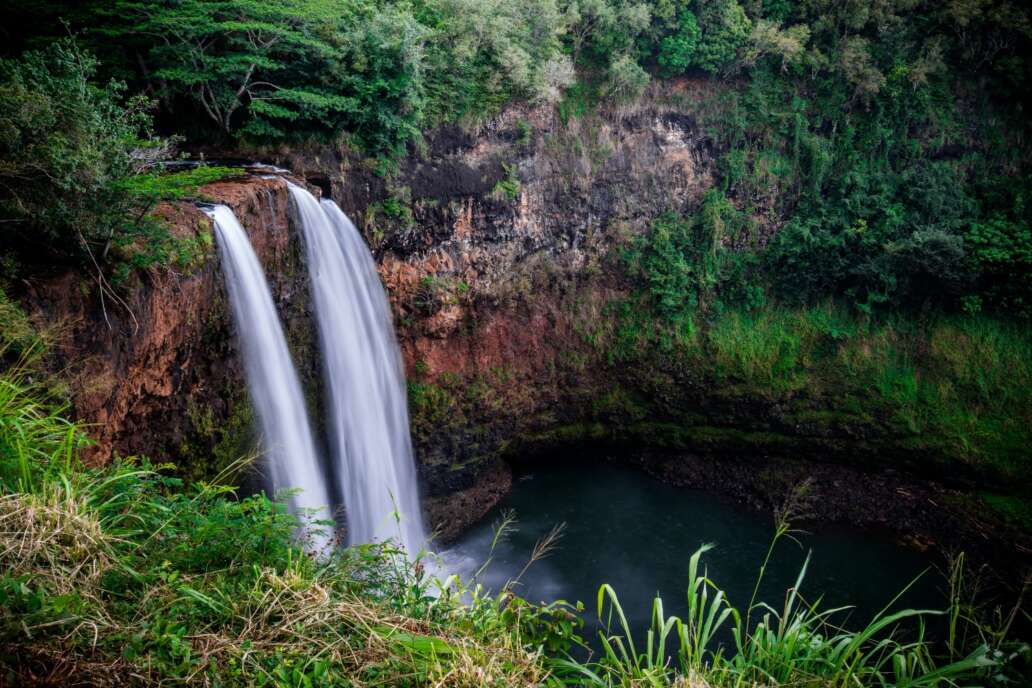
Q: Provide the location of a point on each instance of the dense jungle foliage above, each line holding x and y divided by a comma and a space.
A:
870, 227
886, 142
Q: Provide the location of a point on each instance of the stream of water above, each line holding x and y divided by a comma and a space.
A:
372, 463
371, 472
290, 459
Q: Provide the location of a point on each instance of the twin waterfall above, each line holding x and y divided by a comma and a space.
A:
371, 472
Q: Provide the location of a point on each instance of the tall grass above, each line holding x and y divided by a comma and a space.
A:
34, 437
123, 575
798, 644
956, 387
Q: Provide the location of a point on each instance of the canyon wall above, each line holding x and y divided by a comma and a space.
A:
151, 366
495, 248
501, 251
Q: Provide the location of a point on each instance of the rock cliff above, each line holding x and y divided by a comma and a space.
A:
501, 252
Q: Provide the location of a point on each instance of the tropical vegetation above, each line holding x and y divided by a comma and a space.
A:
869, 231
125, 575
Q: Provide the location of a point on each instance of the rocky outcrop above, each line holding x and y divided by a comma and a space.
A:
497, 251
493, 248
155, 371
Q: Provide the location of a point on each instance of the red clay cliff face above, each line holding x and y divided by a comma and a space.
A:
509, 260
134, 366
494, 269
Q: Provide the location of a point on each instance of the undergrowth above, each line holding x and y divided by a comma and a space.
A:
123, 575
145, 240
958, 383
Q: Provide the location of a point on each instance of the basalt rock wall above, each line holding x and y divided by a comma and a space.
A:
501, 250
151, 365
495, 247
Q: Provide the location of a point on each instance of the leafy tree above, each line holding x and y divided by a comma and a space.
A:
236, 57
587, 19
1002, 254
768, 39
677, 51
601, 31
375, 76
627, 79
777, 11
725, 28
707, 37
481, 54
377, 71
859, 69
66, 145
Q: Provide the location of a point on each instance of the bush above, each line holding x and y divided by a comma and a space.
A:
686, 268
66, 146
667, 262
929, 266
725, 28
677, 51
1001, 251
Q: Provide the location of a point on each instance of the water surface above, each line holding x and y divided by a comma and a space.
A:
637, 534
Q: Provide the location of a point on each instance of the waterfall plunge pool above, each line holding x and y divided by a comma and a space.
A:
637, 534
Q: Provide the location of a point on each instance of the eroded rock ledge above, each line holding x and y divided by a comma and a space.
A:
157, 373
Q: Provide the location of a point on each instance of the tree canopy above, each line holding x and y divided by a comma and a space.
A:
886, 140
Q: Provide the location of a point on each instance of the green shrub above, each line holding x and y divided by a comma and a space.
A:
1001, 251
66, 148
725, 28
17, 335
677, 51
78, 182
686, 268
508, 187
667, 260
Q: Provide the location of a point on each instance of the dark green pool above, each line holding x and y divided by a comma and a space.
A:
637, 534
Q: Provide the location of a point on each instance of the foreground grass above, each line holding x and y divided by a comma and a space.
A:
124, 576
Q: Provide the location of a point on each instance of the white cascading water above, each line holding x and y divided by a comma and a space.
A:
365, 380
271, 378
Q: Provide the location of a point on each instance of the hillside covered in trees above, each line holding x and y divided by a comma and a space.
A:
886, 142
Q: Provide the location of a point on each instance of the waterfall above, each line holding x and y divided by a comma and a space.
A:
291, 458
368, 426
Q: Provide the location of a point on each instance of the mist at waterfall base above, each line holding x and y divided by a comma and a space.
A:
290, 456
374, 472
637, 534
